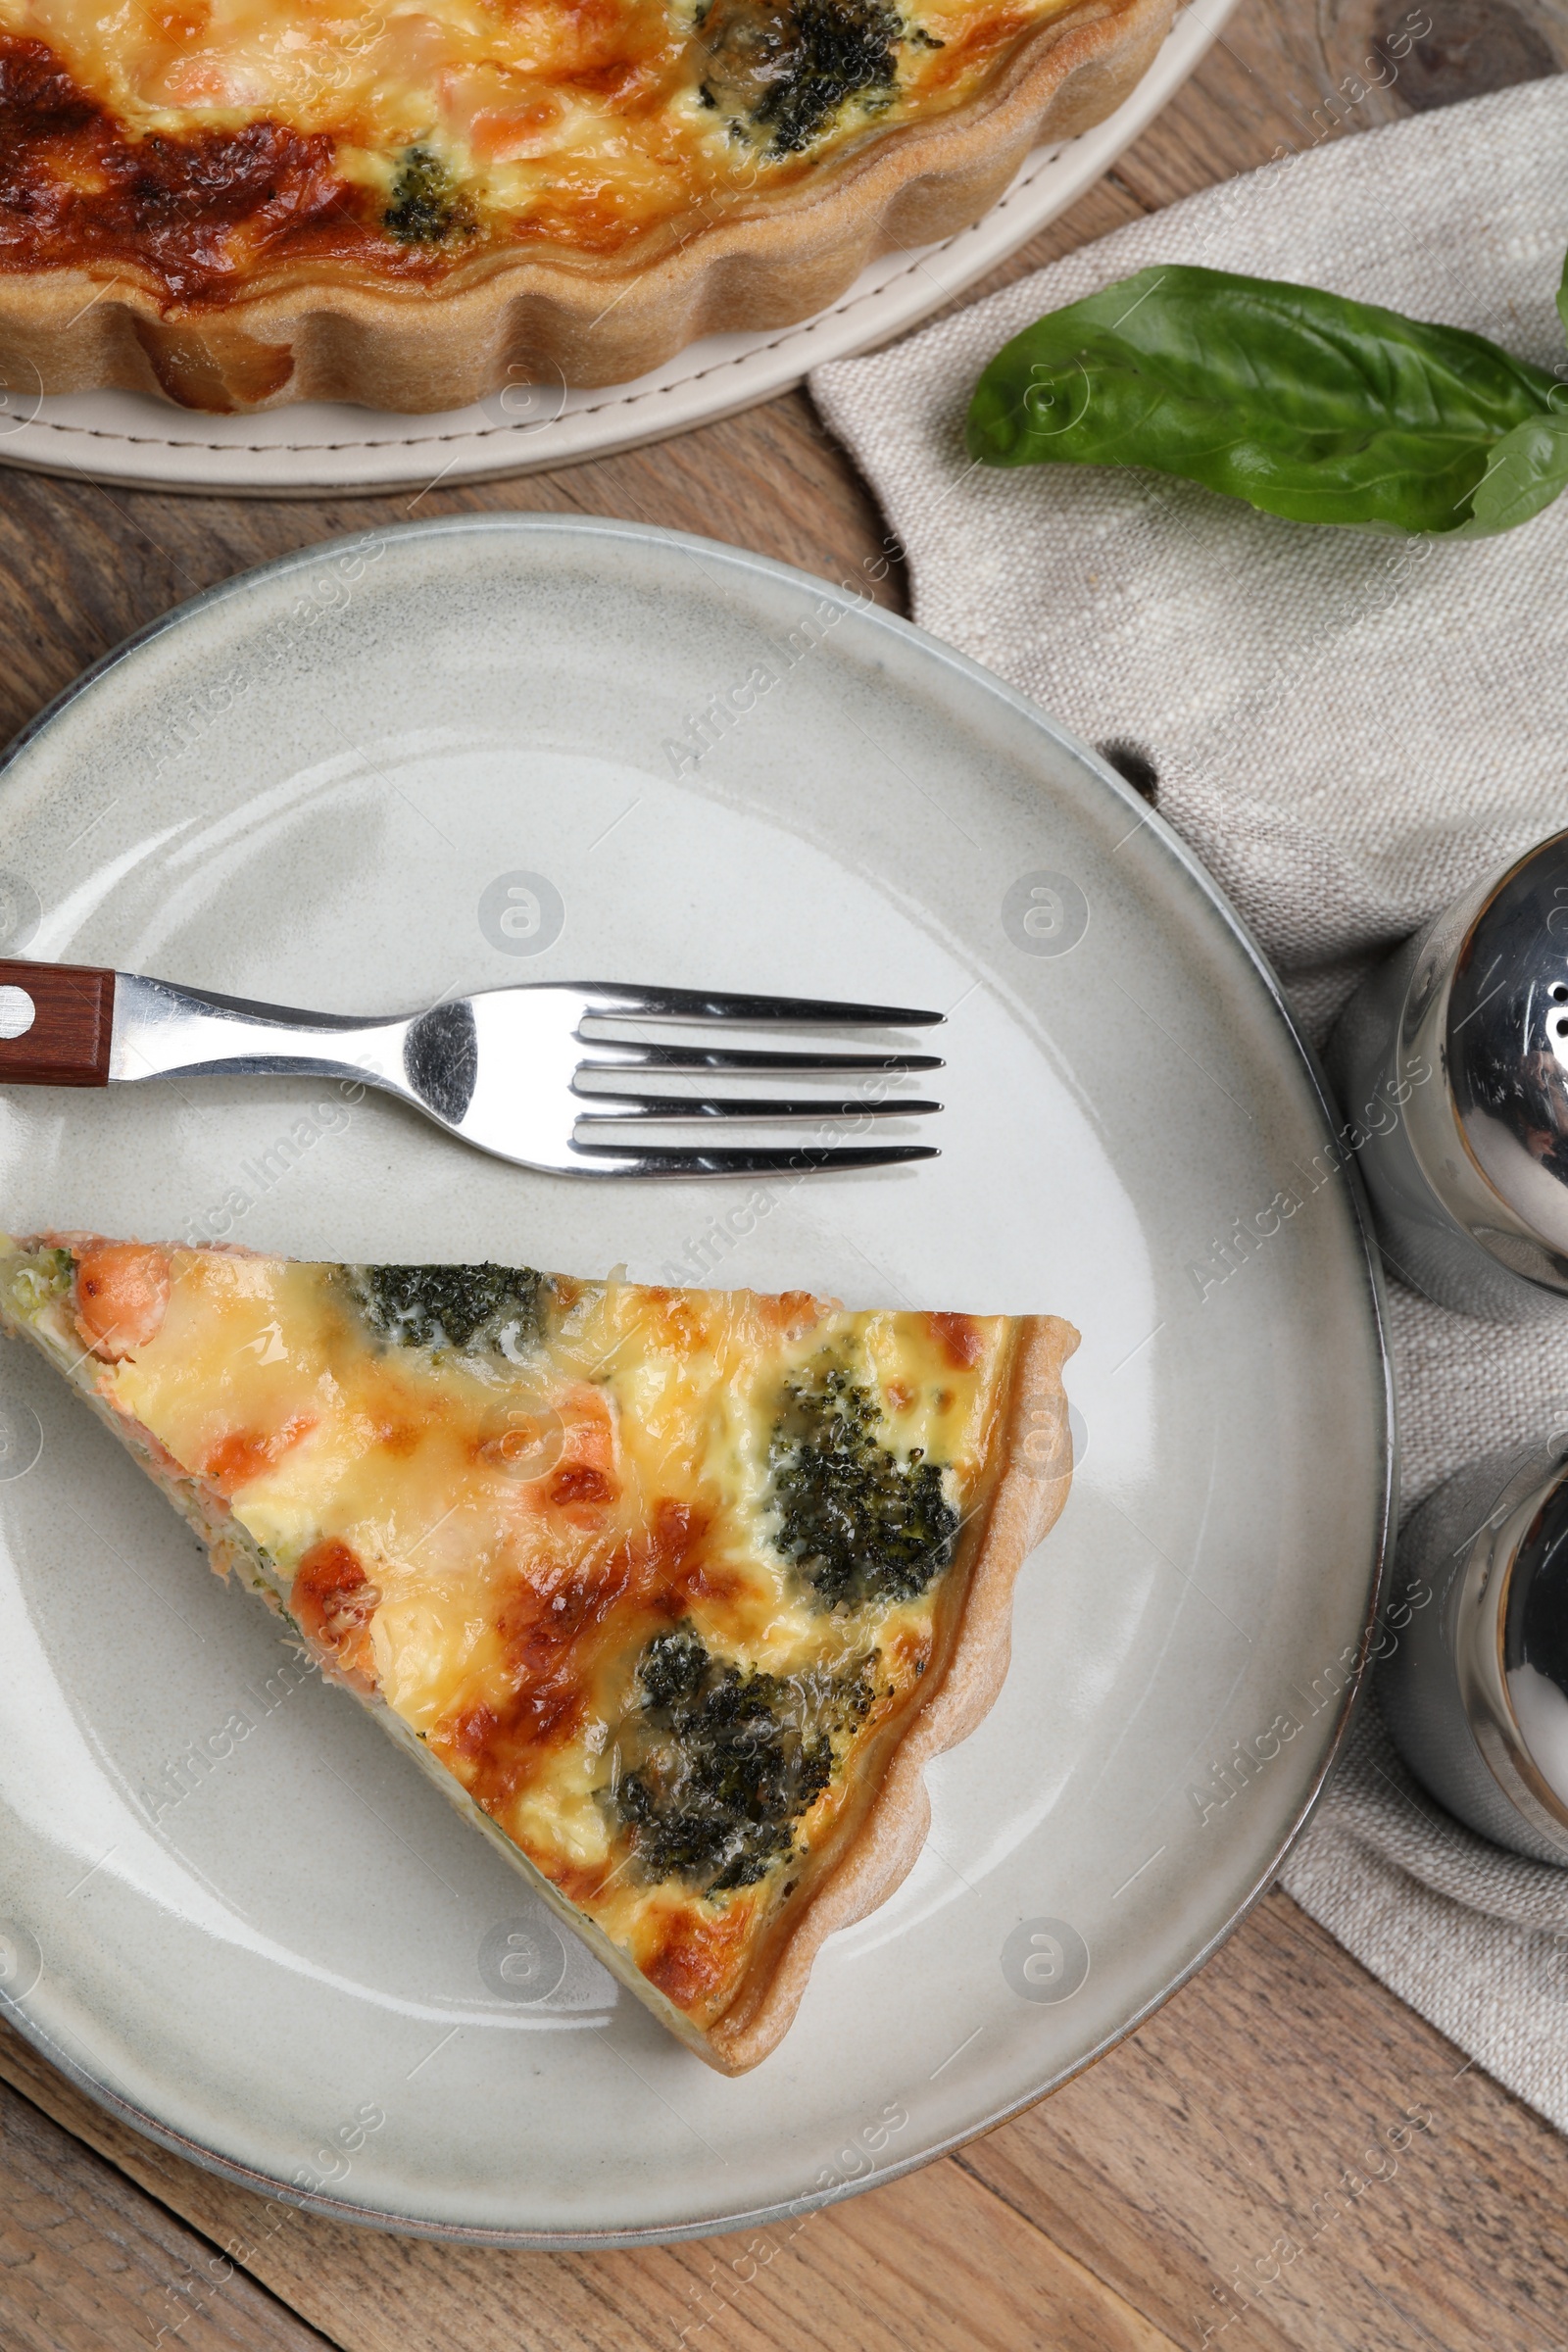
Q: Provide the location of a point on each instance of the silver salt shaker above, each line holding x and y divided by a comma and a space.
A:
1452, 1063
1474, 1689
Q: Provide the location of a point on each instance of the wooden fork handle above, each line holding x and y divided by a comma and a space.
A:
55, 1024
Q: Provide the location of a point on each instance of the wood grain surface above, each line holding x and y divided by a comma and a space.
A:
1285, 2159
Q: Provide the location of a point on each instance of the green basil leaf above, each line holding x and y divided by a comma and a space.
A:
1305, 404
1527, 470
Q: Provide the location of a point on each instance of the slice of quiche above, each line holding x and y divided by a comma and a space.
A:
675, 1591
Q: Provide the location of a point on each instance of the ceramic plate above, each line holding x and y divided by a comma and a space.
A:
134, 438
233, 1910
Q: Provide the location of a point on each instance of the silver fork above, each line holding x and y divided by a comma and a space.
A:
504, 1070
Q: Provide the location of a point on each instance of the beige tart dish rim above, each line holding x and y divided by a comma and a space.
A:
306, 336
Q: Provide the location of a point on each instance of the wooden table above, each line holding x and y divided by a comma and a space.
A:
1208, 2182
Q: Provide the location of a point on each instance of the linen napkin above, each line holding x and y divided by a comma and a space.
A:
1349, 730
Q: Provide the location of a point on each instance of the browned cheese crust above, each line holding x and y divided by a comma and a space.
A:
348, 330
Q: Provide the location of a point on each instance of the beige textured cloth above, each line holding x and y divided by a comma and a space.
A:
1349, 730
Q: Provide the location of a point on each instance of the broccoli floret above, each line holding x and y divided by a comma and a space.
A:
856, 1522
54, 1271
427, 207
39, 1277
452, 1306
787, 67
723, 1763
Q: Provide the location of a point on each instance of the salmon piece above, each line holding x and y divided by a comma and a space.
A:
121, 1297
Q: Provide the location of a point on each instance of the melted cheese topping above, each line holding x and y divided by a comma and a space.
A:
489, 1538
579, 122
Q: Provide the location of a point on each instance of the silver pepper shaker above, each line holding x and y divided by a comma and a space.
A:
1474, 1689
1453, 1064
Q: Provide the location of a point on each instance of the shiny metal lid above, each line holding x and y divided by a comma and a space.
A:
1485, 1011
1534, 1647
1506, 1042
1473, 1679
1507, 1624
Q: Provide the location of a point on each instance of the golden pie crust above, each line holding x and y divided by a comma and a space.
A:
379, 329
881, 1846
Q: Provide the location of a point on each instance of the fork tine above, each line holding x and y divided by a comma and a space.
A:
611, 997
611, 1159
739, 1106
742, 1057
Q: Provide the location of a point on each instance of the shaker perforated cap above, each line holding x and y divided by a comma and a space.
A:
1507, 1043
